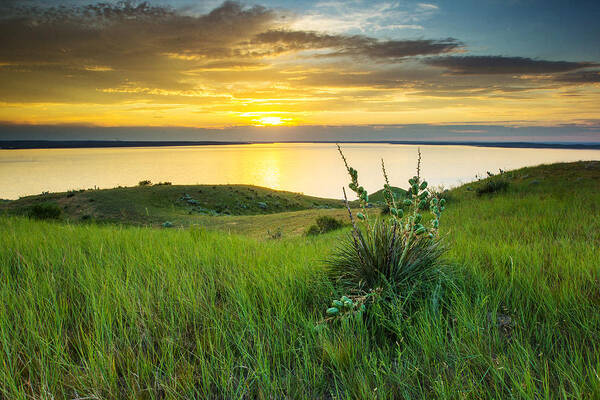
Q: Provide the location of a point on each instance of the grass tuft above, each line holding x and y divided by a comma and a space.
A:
372, 258
492, 186
45, 211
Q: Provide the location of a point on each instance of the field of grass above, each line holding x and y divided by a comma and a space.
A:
90, 311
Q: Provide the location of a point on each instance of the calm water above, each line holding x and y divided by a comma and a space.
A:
314, 169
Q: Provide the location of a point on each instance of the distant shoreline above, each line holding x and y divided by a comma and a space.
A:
85, 144
80, 144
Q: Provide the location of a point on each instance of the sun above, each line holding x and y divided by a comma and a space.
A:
270, 121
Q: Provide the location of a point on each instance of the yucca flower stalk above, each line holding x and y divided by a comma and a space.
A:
360, 191
417, 198
390, 252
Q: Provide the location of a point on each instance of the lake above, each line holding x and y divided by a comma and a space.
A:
309, 168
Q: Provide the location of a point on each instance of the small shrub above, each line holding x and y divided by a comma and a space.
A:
324, 224
395, 261
494, 185
45, 211
276, 234
327, 223
144, 183
377, 258
162, 183
313, 230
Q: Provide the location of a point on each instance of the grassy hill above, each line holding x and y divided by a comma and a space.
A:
128, 312
182, 205
377, 197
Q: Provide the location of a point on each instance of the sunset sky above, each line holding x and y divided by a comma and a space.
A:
473, 66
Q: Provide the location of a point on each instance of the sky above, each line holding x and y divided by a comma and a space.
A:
452, 70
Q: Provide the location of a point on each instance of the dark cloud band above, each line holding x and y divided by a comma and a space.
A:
580, 77
482, 65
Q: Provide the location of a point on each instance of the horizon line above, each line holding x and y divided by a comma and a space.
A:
87, 143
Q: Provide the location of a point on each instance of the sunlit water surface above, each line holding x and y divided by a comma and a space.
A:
314, 169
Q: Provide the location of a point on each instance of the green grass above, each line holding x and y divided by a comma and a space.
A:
129, 312
291, 224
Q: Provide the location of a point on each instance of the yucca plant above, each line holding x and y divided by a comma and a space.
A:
399, 254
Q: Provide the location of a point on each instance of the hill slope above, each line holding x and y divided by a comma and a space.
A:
178, 203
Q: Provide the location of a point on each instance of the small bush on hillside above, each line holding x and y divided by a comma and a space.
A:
493, 186
276, 234
327, 223
313, 230
145, 183
385, 210
45, 211
324, 224
398, 255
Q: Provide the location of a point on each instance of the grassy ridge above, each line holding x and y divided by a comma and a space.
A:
126, 312
181, 204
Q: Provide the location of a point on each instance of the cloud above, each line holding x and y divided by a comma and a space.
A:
579, 77
141, 37
490, 65
355, 45
70, 54
125, 34
102, 52
428, 6
363, 17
